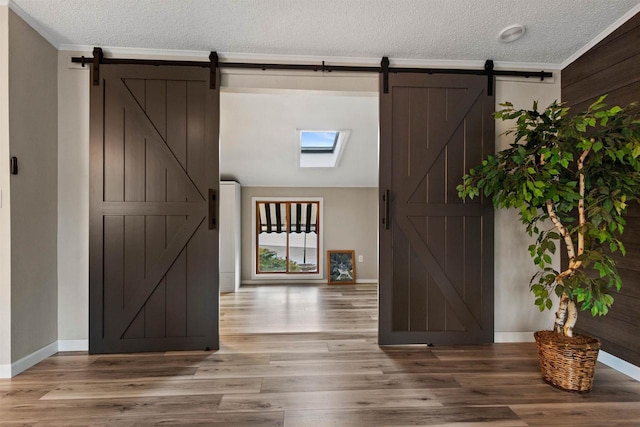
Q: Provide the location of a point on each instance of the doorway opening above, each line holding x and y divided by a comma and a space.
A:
288, 198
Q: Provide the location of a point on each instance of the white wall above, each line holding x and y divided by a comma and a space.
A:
5, 201
33, 137
516, 314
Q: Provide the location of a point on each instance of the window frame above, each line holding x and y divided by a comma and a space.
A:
269, 275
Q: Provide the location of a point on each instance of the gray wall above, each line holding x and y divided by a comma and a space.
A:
350, 222
5, 209
33, 138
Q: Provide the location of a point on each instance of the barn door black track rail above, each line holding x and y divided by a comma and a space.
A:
214, 64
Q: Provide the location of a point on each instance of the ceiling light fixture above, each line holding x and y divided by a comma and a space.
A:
512, 33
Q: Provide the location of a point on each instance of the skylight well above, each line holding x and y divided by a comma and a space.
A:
321, 149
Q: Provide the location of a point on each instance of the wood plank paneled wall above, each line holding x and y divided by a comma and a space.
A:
613, 67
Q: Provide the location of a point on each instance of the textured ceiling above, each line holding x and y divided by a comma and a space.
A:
400, 29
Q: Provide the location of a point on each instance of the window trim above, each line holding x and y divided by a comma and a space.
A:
267, 276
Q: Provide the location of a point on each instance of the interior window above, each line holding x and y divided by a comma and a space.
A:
287, 237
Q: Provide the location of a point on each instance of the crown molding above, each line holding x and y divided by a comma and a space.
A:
527, 66
597, 39
53, 41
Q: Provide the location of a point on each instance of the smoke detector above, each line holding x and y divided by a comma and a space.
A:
512, 33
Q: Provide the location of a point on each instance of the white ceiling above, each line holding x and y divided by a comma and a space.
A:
259, 138
458, 30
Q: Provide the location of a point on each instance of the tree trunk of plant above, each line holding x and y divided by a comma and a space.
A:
567, 313
572, 317
561, 314
566, 316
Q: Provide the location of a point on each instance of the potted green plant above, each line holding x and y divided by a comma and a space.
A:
571, 177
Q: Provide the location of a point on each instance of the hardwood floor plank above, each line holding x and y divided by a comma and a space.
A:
353, 345
484, 366
475, 416
236, 359
493, 351
106, 390
563, 414
345, 356
274, 347
269, 419
67, 361
160, 361
88, 411
474, 379
357, 382
34, 375
177, 360
14, 393
279, 370
351, 399
541, 393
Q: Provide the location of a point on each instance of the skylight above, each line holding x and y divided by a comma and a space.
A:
318, 142
321, 149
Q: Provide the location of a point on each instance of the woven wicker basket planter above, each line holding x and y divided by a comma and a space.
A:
566, 363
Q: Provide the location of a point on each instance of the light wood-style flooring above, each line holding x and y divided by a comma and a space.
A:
307, 356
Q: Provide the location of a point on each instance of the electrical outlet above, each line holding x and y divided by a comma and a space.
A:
360, 258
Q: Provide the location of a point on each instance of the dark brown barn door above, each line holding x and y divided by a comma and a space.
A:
153, 237
436, 251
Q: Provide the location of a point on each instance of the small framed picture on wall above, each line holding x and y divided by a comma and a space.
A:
341, 267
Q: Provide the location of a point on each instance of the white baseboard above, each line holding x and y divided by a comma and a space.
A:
366, 281
619, 365
73, 345
228, 282
505, 337
5, 371
33, 358
8, 371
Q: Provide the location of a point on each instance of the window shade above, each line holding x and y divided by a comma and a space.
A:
272, 217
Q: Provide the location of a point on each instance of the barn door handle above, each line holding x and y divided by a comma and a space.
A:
385, 214
213, 209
